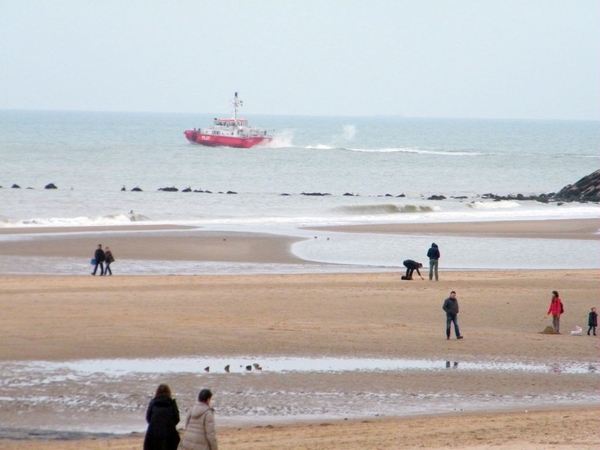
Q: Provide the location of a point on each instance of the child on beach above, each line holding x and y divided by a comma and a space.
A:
592, 321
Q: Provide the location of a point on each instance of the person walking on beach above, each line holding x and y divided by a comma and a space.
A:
200, 425
434, 255
556, 309
99, 257
162, 416
451, 308
592, 321
109, 258
411, 266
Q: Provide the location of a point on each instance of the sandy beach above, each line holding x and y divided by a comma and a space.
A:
57, 318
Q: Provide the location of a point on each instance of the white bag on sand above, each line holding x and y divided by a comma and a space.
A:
577, 331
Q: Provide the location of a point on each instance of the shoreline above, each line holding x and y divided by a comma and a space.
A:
186, 243
581, 229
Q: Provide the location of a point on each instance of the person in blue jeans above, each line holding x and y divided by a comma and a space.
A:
451, 308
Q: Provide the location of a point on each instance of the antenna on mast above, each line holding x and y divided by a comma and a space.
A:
236, 104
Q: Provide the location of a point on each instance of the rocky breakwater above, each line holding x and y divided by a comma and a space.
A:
585, 190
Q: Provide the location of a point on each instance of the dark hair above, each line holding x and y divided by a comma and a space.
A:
163, 391
204, 395
453, 292
555, 293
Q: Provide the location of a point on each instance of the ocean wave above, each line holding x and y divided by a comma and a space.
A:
118, 219
385, 209
504, 204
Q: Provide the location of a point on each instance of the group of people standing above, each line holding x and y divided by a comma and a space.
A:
411, 266
162, 416
557, 309
103, 259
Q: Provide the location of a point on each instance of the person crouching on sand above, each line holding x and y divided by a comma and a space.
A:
556, 309
411, 266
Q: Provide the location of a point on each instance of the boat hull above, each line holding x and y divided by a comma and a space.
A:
211, 140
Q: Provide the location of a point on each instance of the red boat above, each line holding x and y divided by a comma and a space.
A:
233, 132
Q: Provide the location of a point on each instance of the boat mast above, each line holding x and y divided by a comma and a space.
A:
236, 104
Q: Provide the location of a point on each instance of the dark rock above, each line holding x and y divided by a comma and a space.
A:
286, 195
136, 189
231, 192
169, 189
50, 186
123, 189
402, 195
16, 186
198, 190
436, 197
587, 189
460, 197
348, 194
187, 189
316, 194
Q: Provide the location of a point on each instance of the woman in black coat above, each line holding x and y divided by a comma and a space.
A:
162, 417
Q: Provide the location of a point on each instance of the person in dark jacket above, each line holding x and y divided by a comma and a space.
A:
109, 258
162, 416
451, 308
434, 255
99, 257
592, 321
411, 266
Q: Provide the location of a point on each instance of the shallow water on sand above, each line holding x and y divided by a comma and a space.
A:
111, 395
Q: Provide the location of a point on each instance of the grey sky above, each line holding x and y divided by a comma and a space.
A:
482, 58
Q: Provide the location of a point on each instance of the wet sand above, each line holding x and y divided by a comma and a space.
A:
585, 229
359, 315
343, 315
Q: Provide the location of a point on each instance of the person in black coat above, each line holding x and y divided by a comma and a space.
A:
411, 266
162, 416
99, 257
434, 255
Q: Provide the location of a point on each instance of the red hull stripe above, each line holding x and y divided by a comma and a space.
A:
211, 140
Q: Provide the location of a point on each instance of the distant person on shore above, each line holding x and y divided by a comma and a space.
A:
411, 266
434, 255
556, 309
99, 257
592, 321
451, 308
109, 258
200, 425
162, 416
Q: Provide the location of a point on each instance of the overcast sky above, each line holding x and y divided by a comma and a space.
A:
416, 58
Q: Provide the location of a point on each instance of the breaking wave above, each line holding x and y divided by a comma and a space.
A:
385, 209
504, 204
118, 219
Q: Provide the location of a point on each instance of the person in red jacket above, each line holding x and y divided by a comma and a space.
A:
556, 309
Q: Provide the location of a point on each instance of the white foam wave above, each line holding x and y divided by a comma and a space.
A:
320, 147
387, 208
282, 139
503, 204
417, 151
118, 219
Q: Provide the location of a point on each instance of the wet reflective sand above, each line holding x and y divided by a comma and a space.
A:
104, 395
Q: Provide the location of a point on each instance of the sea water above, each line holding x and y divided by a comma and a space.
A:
364, 170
